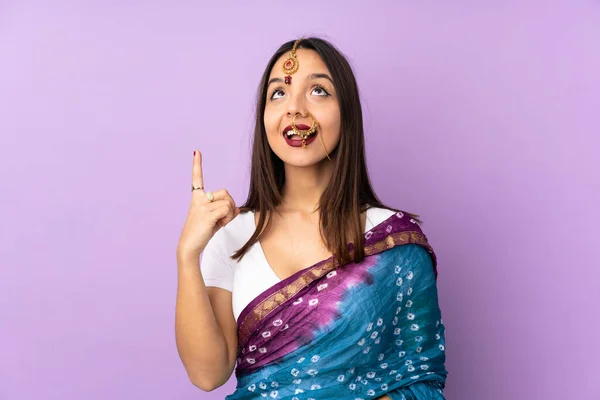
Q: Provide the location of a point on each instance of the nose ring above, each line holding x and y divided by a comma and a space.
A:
304, 133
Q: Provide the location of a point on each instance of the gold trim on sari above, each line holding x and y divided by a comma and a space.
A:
281, 296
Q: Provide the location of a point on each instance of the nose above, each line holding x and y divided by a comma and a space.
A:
296, 105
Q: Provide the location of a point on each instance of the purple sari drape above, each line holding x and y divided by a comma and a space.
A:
357, 331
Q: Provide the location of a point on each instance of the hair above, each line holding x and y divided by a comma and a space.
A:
349, 192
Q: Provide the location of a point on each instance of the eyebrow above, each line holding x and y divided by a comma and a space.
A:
319, 76
310, 77
273, 80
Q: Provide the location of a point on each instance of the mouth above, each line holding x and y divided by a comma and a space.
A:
295, 140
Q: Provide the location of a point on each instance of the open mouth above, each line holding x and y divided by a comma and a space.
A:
295, 140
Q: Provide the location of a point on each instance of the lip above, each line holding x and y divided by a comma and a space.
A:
302, 127
298, 143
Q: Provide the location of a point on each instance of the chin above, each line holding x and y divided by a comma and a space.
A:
312, 154
293, 158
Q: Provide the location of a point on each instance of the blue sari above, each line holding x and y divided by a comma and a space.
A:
359, 331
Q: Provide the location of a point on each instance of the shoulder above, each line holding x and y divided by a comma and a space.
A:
377, 215
233, 235
239, 225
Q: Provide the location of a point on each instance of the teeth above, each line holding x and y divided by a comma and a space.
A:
291, 133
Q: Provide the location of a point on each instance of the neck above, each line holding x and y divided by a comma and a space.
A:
304, 186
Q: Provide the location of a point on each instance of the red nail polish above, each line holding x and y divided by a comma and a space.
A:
194, 152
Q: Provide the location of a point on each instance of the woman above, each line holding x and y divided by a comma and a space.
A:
313, 288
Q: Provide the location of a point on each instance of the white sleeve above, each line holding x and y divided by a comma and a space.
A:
215, 264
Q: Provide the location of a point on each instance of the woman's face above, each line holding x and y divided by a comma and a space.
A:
311, 90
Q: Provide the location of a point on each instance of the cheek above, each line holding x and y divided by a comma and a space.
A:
271, 122
332, 125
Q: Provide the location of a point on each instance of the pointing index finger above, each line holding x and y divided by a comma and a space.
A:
197, 179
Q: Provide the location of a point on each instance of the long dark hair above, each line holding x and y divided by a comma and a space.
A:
349, 192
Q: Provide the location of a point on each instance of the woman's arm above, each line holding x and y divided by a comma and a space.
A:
206, 331
421, 332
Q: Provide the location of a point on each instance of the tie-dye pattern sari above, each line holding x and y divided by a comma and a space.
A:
357, 332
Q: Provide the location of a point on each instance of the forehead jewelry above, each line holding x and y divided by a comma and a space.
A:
290, 65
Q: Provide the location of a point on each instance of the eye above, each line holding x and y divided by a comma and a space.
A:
276, 94
320, 91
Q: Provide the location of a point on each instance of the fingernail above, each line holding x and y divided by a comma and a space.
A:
194, 152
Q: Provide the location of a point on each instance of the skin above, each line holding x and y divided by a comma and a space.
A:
209, 354
307, 170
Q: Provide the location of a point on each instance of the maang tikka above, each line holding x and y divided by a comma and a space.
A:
290, 66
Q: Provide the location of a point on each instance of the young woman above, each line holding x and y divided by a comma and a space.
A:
313, 288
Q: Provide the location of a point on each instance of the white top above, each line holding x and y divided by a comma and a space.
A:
252, 275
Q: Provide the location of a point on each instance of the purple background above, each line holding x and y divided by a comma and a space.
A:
483, 118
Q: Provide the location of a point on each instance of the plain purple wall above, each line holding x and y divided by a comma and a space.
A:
493, 105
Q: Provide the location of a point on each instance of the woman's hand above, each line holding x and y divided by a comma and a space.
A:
204, 217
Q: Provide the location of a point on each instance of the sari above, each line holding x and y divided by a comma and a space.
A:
359, 331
